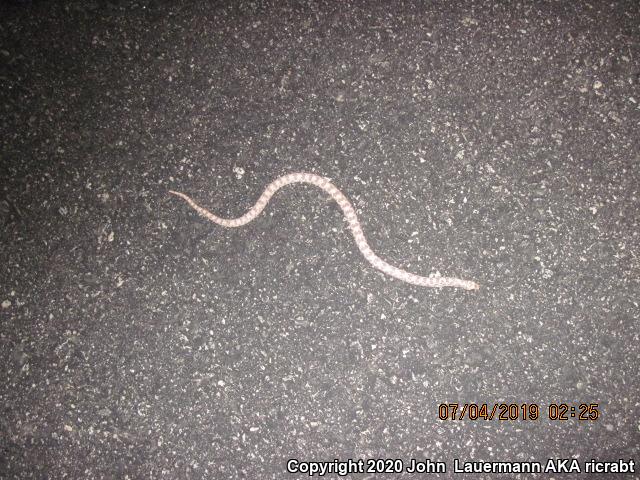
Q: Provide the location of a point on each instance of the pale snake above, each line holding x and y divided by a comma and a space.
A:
349, 215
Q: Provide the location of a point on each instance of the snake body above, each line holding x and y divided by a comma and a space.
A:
349, 215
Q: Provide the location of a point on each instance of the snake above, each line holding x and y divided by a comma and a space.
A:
351, 218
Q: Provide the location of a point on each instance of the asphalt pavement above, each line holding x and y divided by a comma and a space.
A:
497, 142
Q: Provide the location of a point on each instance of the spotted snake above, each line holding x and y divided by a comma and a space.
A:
351, 218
